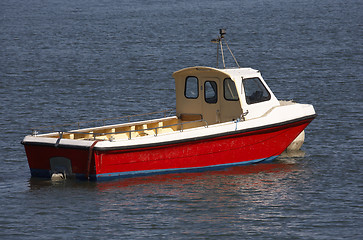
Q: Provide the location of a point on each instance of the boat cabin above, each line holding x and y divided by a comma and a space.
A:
221, 95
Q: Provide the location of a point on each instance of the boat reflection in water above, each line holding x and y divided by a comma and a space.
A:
239, 177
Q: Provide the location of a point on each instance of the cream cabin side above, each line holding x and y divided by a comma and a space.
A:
206, 93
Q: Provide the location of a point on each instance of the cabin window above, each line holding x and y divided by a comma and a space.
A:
255, 91
191, 88
230, 91
210, 92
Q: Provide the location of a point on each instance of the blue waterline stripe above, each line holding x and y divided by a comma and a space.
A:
105, 176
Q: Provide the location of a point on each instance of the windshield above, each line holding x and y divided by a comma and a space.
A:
255, 91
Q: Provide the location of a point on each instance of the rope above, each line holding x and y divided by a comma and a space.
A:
232, 54
90, 153
224, 64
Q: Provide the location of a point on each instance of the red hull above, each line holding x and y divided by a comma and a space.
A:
215, 152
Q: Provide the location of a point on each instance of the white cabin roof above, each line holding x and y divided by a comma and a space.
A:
234, 73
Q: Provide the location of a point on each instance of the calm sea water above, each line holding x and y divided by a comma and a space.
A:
64, 61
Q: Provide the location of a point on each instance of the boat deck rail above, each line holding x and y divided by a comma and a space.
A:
97, 123
141, 132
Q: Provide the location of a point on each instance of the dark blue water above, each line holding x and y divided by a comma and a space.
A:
64, 61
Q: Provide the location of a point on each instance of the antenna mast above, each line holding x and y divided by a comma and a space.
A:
219, 40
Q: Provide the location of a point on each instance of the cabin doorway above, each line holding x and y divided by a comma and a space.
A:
211, 100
